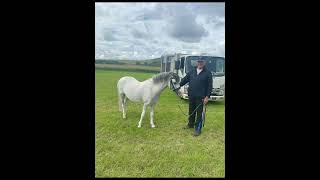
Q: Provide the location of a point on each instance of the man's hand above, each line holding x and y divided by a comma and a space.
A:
205, 100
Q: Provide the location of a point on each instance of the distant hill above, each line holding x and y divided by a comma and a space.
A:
152, 62
148, 62
103, 61
147, 65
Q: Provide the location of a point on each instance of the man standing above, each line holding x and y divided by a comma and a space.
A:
200, 87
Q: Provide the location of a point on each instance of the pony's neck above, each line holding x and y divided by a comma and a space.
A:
163, 86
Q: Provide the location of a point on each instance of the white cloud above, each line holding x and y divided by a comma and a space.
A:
147, 30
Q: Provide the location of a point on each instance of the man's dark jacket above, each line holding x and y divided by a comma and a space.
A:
199, 85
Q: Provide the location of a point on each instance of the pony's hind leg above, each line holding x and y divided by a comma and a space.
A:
142, 114
124, 101
120, 99
151, 116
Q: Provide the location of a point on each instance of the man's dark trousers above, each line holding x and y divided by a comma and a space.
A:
193, 104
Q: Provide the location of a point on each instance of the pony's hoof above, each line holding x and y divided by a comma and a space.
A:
153, 126
139, 126
124, 117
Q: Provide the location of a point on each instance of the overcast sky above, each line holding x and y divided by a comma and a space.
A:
148, 30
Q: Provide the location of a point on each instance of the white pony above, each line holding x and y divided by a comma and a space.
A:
147, 92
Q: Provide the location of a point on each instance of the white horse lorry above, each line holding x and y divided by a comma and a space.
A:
181, 64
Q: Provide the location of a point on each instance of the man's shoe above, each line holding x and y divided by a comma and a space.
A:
187, 127
196, 133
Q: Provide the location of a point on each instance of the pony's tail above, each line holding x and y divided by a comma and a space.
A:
119, 98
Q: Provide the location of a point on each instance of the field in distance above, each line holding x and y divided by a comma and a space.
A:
152, 65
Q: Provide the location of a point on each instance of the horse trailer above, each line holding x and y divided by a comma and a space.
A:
181, 64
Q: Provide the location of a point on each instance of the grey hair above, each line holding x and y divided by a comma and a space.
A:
161, 77
164, 76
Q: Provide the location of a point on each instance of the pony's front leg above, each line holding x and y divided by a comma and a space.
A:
124, 107
142, 115
151, 116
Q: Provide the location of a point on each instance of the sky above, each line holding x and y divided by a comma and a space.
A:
137, 31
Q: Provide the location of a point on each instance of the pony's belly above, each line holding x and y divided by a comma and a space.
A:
134, 98
134, 95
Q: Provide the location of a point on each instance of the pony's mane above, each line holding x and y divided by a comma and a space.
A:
161, 77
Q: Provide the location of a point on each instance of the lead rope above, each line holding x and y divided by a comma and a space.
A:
192, 112
175, 90
204, 115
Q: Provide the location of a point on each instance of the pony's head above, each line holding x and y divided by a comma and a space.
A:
174, 76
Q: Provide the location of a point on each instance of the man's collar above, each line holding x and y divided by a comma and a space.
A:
204, 68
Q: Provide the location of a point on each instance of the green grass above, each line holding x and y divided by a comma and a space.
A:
123, 150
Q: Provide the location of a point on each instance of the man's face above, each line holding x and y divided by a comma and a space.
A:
200, 64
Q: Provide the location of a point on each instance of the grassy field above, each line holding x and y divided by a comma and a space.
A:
123, 150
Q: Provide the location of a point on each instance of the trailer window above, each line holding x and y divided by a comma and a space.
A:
168, 64
219, 66
214, 64
163, 65
182, 63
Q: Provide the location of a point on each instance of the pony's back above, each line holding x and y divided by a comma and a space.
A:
131, 88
